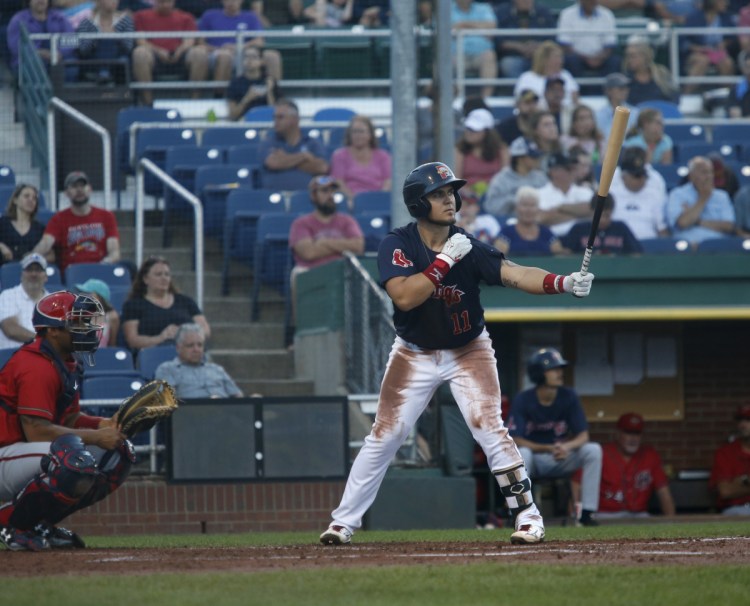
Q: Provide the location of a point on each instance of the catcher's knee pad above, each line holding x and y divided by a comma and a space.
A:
71, 469
515, 486
114, 469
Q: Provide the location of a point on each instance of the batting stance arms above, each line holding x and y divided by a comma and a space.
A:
432, 269
54, 459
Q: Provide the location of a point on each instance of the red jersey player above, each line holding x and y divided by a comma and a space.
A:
730, 476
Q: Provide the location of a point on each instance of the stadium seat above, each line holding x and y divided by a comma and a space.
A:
372, 202
228, 137
112, 361
213, 184
149, 359
735, 132
7, 176
247, 153
108, 387
725, 245
273, 257
260, 113
334, 114
673, 173
686, 133
686, 151
665, 246
117, 297
152, 143
244, 207
336, 137
500, 112
10, 276
111, 273
5, 354
667, 108
374, 227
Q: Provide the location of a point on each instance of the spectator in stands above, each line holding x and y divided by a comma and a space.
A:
479, 51
554, 103
167, 55
616, 90
739, 98
329, 13
500, 199
254, 87
39, 18
278, 12
516, 52
583, 167
82, 233
479, 154
527, 236
106, 19
547, 63
17, 302
195, 7
372, 13
584, 132
641, 195
483, 226
563, 202
20, 232
724, 177
99, 290
588, 34
222, 52
550, 429
631, 474
360, 164
743, 20
730, 474
710, 51
512, 127
75, 11
674, 11
155, 310
742, 211
649, 81
546, 135
288, 156
612, 237
698, 211
649, 134
191, 375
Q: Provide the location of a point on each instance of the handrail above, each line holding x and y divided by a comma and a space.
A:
144, 164
84, 120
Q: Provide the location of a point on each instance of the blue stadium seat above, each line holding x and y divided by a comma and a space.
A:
686, 133
149, 359
111, 273
117, 297
246, 153
5, 354
686, 151
673, 173
500, 112
665, 246
213, 184
7, 176
372, 202
735, 132
667, 108
112, 361
260, 113
244, 207
299, 202
108, 387
227, 137
152, 143
725, 245
374, 227
273, 257
10, 276
334, 114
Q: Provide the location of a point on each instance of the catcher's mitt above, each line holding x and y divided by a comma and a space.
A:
153, 402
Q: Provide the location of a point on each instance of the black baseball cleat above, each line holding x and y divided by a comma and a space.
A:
59, 538
22, 540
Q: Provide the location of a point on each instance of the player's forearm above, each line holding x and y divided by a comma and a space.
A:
527, 279
411, 292
666, 501
578, 441
734, 488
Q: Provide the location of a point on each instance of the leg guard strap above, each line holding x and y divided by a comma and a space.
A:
515, 486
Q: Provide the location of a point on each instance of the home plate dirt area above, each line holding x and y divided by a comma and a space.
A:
687, 552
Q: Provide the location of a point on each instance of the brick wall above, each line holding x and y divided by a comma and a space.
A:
717, 381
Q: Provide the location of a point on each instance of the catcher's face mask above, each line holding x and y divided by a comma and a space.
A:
85, 322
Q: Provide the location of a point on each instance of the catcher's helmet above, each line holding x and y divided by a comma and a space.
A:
81, 315
424, 180
541, 361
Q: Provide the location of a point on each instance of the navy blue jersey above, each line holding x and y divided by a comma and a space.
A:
535, 422
453, 315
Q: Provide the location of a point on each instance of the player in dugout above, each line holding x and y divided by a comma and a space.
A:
54, 459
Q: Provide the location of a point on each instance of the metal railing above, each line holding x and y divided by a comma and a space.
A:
144, 164
58, 104
368, 328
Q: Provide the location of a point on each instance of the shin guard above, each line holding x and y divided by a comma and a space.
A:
515, 486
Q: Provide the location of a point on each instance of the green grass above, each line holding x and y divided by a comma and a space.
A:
477, 583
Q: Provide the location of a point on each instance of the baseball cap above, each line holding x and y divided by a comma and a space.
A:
633, 161
743, 412
616, 80
100, 287
322, 181
34, 258
479, 120
527, 95
631, 422
523, 147
75, 177
559, 160
554, 80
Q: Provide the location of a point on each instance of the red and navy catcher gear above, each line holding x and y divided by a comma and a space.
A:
81, 315
424, 180
542, 361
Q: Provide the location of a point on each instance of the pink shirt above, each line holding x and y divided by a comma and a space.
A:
309, 226
361, 177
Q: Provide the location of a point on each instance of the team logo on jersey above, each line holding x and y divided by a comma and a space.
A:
443, 171
399, 258
451, 295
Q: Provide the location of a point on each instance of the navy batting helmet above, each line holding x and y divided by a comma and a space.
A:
543, 360
426, 179
80, 314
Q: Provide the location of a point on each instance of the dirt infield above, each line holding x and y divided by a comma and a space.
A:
687, 552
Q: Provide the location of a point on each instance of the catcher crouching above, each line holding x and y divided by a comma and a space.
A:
54, 459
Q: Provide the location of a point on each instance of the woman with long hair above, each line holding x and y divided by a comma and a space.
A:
649, 134
106, 19
19, 230
548, 62
154, 309
479, 153
584, 132
649, 81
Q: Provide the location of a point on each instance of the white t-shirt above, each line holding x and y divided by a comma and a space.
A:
643, 211
575, 29
550, 197
14, 302
532, 81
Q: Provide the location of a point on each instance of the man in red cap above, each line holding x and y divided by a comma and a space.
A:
631, 473
730, 476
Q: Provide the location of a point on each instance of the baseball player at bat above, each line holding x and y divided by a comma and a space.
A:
431, 269
54, 459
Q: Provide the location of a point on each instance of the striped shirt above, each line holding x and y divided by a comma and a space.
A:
123, 24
